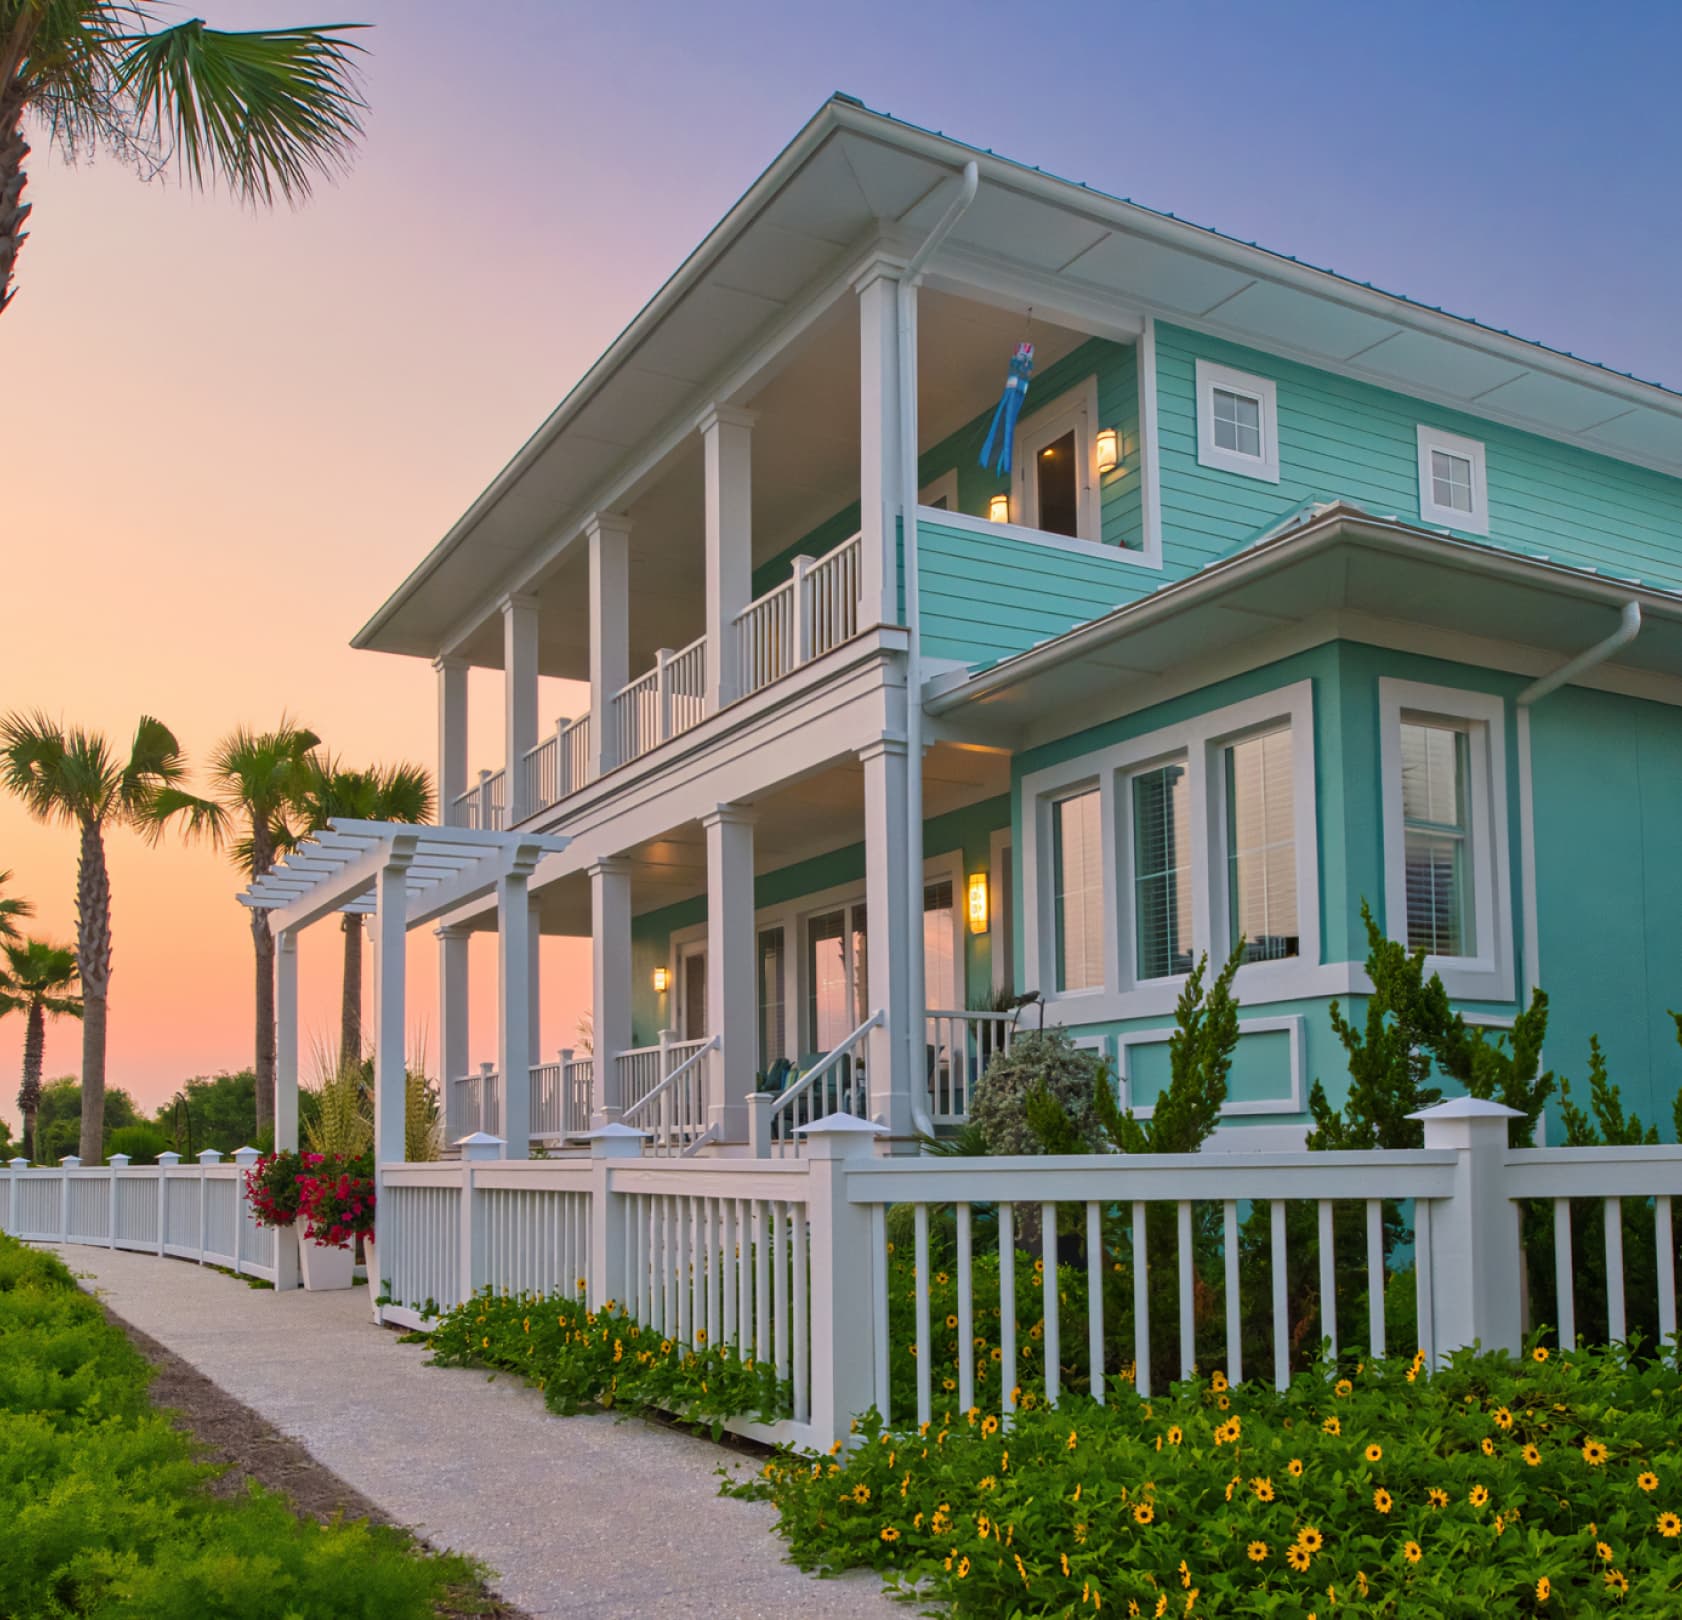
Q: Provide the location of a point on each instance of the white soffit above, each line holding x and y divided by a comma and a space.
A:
1298, 320
1566, 407
1640, 433
1417, 360
1165, 277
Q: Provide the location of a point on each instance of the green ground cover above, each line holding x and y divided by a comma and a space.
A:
104, 1510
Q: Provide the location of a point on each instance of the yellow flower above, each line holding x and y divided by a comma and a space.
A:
1531, 1455
1594, 1453
1294, 1468
1503, 1418
1648, 1482
861, 1492
1343, 1387
963, 1568
1374, 1452
1604, 1551
996, 1353
1263, 1489
1332, 1426
1437, 1497
989, 1424
1185, 1573
1670, 1525
1144, 1513
1544, 1589
1297, 1558
1381, 1500
1036, 1331
889, 1533
835, 1449
988, 1482
1413, 1552
1257, 1551
1540, 1353
952, 1321
1478, 1496
1487, 1446
1175, 1436
1310, 1539
1617, 1580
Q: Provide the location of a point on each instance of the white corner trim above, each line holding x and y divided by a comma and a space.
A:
1287, 1024
1198, 741
1449, 517
1074, 409
1486, 975
1001, 903
1150, 457
1265, 392
965, 523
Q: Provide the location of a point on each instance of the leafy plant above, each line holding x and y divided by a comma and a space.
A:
341, 1123
1037, 1062
38, 980
336, 1198
272, 1187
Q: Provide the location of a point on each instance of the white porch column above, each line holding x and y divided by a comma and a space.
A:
610, 629
286, 1042
390, 1011
732, 1005
452, 733
610, 997
515, 992
895, 1087
534, 975
727, 437
879, 441
519, 697
452, 1021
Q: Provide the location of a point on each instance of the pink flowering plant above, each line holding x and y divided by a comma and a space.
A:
336, 1198
271, 1187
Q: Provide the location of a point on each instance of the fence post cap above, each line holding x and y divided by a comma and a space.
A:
119, 1161
1468, 1108
210, 1156
19, 1163
71, 1162
839, 1136
246, 1155
481, 1145
615, 1140
169, 1156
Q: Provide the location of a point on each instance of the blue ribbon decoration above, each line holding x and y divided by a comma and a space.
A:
1003, 428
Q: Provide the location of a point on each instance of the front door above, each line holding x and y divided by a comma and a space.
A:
692, 992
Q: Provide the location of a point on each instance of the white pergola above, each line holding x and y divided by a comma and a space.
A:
405, 876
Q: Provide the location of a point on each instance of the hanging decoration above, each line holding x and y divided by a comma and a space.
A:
1010, 409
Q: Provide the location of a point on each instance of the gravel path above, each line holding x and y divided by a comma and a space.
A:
585, 1515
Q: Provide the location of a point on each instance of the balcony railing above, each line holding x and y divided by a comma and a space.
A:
484, 806
474, 1104
560, 1097
960, 1046
667, 701
809, 614
558, 766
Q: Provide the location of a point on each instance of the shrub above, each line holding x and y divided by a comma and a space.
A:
1038, 1061
336, 1198
142, 1143
271, 1185
1497, 1486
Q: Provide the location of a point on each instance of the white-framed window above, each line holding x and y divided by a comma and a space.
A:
1452, 490
941, 493
1054, 478
1237, 422
1203, 831
1447, 887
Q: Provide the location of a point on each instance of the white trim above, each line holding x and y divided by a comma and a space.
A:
946, 484
1450, 517
1487, 974
1197, 739
1150, 458
1288, 1024
1001, 896
1265, 392
1532, 974
1076, 410
1036, 537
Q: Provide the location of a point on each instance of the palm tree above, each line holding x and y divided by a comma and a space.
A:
11, 910
256, 781
381, 793
38, 979
265, 112
74, 778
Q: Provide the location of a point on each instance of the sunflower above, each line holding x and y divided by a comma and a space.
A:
951, 1320
1540, 1353
1604, 1552
1544, 1589
1531, 1455
1294, 1468
1332, 1426
1413, 1552
1143, 1513
1478, 1496
1175, 1436
1670, 1525
1297, 1558
1487, 1446
1502, 1417
1374, 1452
1594, 1453
1437, 1497
861, 1493
989, 1425
1218, 1383
1257, 1551
1263, 1489
1381, 1500
1617, 1580
1648, 1482
1310, 1539
1343, 1387
889, 1533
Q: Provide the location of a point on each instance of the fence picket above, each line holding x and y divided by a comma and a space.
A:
920, 1289
1375, 1276
1188, 1302
1094, 1300
1050, 1303
1007, 1306
966, 1313
1616, 1328
1328, 1275
1281, 1308
1141, 1305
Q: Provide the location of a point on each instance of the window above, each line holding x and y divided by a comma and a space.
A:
836, 975
773, 1022
941, 493
1451, 482
1054, 487
1435, 823
940, 954
1261, 847
1162, 871
1446, 886
1237, 430
1077, 891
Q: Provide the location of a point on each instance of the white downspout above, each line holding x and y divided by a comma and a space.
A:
916, 1023
1629, 627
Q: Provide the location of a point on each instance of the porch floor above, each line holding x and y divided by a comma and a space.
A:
583, 1515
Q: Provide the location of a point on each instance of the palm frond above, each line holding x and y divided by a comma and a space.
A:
12, 910
193, 816
266, 111
61, 776
155, 762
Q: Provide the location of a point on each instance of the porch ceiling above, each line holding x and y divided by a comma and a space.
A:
1341, 566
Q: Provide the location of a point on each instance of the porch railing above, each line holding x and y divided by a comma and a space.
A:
642, 1068
674, 1113
960, 1046
561, 1102
836, 1084
663, 703
475, 1104
557, 767
809, 614
484, 806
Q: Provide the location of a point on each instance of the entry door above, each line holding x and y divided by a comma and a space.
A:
837, 976
692, 992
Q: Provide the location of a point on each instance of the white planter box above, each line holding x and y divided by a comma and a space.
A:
322, 1267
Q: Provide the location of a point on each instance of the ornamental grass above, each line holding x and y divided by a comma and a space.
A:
1538, 1485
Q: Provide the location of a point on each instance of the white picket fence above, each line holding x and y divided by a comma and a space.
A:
790, 1259
191, 1211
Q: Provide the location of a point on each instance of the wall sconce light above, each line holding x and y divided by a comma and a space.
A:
998, 509
975, 902
1109, 450
662, 980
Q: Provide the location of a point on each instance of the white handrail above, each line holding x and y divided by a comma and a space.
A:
810, 613
662, 702
673, 1109
786, 1108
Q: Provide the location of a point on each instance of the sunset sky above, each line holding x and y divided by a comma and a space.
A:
227, 437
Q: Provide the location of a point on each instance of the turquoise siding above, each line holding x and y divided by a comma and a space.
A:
1343, 438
